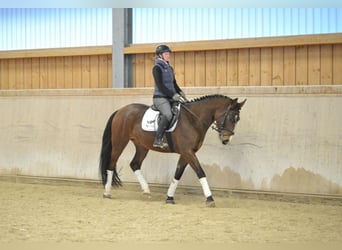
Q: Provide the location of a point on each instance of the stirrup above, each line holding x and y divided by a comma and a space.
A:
159, 144
164, 145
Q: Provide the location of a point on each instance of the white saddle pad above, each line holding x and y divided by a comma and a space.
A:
150, 121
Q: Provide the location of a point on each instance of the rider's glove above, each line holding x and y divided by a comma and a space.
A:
176, 97
183, 96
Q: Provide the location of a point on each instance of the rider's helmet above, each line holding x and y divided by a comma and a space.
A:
161, 49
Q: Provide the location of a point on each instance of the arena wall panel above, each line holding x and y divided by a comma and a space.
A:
288, 138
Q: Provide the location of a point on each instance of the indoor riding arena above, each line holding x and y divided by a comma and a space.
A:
278, 180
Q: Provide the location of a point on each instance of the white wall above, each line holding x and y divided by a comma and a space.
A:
54, 28
286, 140
74, 27
152, 25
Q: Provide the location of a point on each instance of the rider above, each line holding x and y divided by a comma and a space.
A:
166, 90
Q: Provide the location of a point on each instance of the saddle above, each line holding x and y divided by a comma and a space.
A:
151, 117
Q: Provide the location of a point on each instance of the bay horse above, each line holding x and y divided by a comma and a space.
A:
195, 118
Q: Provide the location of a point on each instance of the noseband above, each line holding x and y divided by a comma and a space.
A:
226, 115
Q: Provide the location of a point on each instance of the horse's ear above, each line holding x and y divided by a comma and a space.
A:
242, 103
234, 103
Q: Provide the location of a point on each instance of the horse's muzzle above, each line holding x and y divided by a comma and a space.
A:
225, 138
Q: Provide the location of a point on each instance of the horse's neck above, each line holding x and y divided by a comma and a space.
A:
205, 112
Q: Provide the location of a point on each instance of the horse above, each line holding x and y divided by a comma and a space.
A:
195, 118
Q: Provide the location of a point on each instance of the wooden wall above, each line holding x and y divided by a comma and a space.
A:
295, 60
56, 68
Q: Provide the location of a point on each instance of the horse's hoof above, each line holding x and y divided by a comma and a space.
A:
147, 194
170, 200
210, 202
107, 196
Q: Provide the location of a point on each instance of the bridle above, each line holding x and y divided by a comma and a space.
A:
226, 115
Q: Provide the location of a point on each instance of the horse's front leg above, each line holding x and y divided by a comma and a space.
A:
174, 183
196, 166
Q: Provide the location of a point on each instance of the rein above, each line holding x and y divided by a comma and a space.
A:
214, 127
187, 109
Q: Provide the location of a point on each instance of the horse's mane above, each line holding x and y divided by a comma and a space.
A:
206, 97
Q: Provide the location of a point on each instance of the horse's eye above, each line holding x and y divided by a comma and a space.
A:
235, 118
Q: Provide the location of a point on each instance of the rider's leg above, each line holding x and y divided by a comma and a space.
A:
162, 125
163, 105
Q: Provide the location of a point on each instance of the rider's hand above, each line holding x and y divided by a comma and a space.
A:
183, 95
177, 97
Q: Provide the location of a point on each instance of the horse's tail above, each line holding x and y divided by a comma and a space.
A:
106, 151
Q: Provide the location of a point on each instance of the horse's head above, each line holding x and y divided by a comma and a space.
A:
227, 120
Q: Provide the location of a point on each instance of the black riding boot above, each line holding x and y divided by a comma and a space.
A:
162, 125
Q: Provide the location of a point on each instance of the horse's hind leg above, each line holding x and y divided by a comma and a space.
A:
174, 183
135, 164
117, 149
